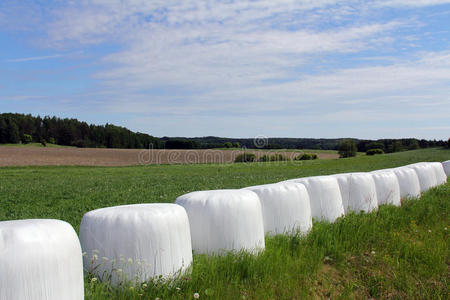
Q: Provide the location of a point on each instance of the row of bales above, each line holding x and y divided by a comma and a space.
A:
45, 259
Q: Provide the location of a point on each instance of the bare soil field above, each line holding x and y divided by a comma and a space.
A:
38, 156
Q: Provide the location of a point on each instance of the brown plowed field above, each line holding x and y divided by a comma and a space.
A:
37, 156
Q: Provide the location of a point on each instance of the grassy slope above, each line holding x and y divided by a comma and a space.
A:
335, 259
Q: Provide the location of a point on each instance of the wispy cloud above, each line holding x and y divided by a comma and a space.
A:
22, 97
43, 57
24, 59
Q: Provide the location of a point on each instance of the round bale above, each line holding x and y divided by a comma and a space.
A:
441, 177
426, 174
408, 182
387, 187
285, 207
358, 192
40, 259
224, 220
136, 242
325, 197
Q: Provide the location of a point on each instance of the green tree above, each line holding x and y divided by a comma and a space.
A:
27, 138
12, 133
347, 148
228, 145
237, 145
3, 129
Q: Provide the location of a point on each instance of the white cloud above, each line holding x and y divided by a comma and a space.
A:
268, 60
414, 3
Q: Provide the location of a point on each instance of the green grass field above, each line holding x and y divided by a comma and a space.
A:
393, 253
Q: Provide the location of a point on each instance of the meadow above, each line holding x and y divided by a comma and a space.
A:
392, 253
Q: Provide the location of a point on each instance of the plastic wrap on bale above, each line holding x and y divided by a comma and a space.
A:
40, 259
358, 192
439, 171
224, 220
408, 182
137, 242
325, 197
446, 165
426, 174
387, 187
285, 207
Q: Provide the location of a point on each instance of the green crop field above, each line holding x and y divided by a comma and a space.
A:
392, 253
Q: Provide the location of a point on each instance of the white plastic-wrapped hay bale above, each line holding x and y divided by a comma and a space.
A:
40, 259
426, 174
439, 171
387, 187
285, 207
223, 220
446, 165
136, 242
325, 197
408, 182
358, 192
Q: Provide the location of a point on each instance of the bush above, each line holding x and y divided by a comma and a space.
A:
236, 145
51, 140
264, 158
228, 145
307, 156
304, 156
374, 151
80, 144
278, 157
245, 157
347, 148
27, 138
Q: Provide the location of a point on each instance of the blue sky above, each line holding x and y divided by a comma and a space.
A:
323, 68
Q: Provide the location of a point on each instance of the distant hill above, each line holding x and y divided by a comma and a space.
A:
20, 128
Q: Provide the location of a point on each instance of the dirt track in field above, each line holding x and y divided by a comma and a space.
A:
37, 156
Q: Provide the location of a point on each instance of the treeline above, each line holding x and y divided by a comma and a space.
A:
250, 143
397, 145
20, 128
387, 145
